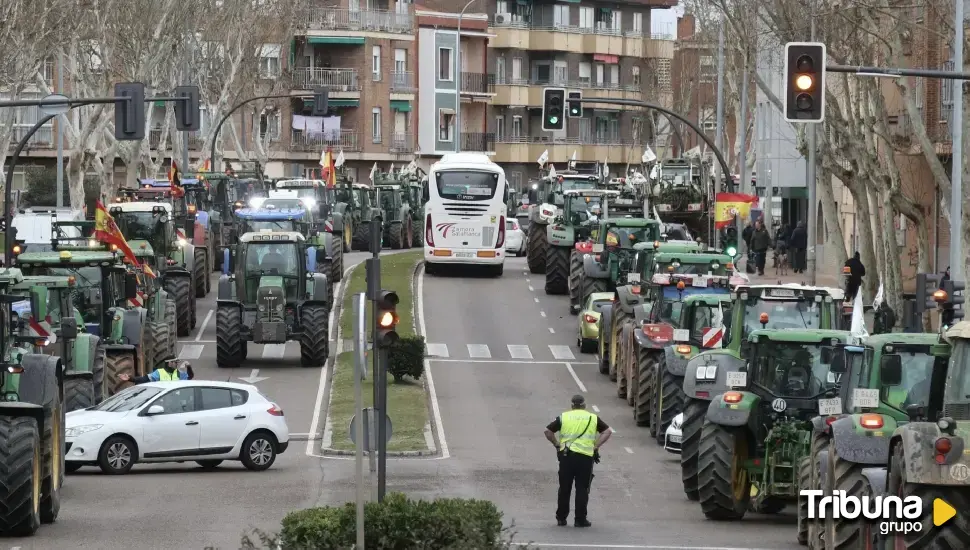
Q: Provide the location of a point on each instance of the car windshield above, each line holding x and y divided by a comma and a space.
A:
792, 369
466, 185
781, 314
705, 316
626, 237
692, 268
273, 258
915, 386
255, 226
129, 399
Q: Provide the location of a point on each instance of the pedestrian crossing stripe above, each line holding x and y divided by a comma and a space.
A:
511, 351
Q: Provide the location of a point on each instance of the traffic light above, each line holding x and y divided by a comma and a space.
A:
575, 106
130, 113
187, 118
387, 319
954, 297
804, 82
320, 99
553, 104
927, 286
731, 242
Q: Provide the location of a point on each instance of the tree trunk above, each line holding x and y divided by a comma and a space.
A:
835, 254
860, 197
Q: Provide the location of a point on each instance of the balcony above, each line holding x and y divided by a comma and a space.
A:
589, 145
477, 83
402, 143
403, 82
477, 142
529, 92
342, 83
43, 138
515, 32
336, 22
346, 140
155, 139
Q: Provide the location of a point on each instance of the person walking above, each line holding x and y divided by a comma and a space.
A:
577, 448
798, 243
856, 272
760, 243
746, 236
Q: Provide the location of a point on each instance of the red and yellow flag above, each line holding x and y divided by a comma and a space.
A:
175, 180
729, 205
106, 231
329, 171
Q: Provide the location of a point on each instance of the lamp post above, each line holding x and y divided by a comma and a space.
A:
458, 79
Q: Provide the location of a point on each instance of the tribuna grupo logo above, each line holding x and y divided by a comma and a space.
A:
892, 513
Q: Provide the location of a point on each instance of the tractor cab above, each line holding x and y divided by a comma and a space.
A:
183, 210
147, 222
272, 219
270, 265
314, 194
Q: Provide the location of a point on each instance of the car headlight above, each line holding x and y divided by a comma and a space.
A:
78, 430
309, 202
256, 202
183, 242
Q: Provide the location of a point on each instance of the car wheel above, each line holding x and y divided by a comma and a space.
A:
258, 451
208, 464
71, 467
117, 455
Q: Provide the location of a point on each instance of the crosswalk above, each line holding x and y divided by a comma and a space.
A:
517, 352
193, 350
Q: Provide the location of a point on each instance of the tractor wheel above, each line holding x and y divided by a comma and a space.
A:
200, 273
418, 241
395, 238
592, 285
193, 312
78, 393
618, 319
820, 442
161, 344
669, 398
315, 338
952, 534
361, 239
229, 342
347, 237
115, 365
97, 374
408, 234
180, 290
724, 484
575, 281
536, 254
623, 360
557, 270
52, 455
21, 466
694, 413
170, 319
336, 260
805, 475
148, 346
602, 358
646, 366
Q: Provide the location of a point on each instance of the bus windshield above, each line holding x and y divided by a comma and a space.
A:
466, 185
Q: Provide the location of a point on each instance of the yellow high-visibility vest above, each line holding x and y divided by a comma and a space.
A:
578, 431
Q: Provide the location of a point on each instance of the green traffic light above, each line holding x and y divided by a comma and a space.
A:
553, 120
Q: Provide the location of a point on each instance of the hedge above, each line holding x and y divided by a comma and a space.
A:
406, 358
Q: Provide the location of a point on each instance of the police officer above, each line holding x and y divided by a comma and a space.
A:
172, 370
577, 446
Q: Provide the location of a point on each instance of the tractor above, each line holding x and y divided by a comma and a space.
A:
683, 192
300, 220
364, 206
395, 202
151, 223
564, 257
415, 190
32, 432
614, 253
545, 199
785, 306
270, 293
227, 194
756, 434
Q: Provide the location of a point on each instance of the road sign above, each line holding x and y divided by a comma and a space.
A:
370, 429
63, 105
360, 335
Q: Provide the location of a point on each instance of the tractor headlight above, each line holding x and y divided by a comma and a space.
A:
78, 430
256, 202
706, 372
262, 309
309, 202
183, 242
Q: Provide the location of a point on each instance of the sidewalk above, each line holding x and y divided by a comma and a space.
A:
821, 279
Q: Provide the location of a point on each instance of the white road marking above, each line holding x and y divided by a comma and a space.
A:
543, 313
274, 351
190, 351
536, 299
551, 330
205, 322
478, 351
437, 350
509, 361
206, 341
528, 280
579, 382
429, 379
628, 450
253, 377
562, 352
638, 546
596, 409
531, 289
520, 352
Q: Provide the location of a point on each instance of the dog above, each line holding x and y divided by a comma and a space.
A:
781, 262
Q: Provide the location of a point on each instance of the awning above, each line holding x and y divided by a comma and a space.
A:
446, 111
335, 103
401, 105
606, 58
335, 39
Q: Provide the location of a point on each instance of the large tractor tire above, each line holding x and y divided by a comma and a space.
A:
952, 534
361, 238
669, 398
200, 273
843, 534
78, 393
148, 347
557, 270
97, 374
616, 330
576, 301
536, 253
229, 342
336, 260
180, 288
315, 338
820, 442
161, 343
804, 482
593, 285
116, 364
21, 476
694, 413
646, 366
602, 353
626, 366
171, 317
395, 236
724, 484
417, 240
347, 237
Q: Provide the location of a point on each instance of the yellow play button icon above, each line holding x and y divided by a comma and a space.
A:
942, 512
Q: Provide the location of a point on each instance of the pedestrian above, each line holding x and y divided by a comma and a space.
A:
172, 370
577, 448
746, 236
760, 243
799, 244
945, 277
856, 272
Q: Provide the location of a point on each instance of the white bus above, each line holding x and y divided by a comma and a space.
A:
465, 212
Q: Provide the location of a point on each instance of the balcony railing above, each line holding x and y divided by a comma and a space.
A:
155, 139
314, 143
335, 19
402, 82
549, 24
337, 80
474, 141
42, 138
402, 143
582, 84
477, 83
593, 138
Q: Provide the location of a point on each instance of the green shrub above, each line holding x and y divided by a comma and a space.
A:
406, 358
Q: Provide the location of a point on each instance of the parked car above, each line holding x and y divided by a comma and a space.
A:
200, 420
515, 239
673, 435
589, 319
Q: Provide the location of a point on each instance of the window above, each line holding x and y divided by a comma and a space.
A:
215, 398
708, 70
499, 127
561, 72
446, 71
585, 72
500, 70
376, 63
516, 126
400, 60
502, 6
269, 125
269, 61
560, 14
446, 124
177, 401
600, 74
516, 69
635, 75
586, 20
375, 121
614, 75
637, 23
617, 25
466, 185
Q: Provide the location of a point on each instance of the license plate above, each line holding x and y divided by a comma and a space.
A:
464, 254
865, 398
830, 406
681, 335
633, 277
737, 379
675, 439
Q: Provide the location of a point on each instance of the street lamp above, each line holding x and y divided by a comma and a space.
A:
458, 80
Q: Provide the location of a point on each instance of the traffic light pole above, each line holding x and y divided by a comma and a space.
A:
378, 355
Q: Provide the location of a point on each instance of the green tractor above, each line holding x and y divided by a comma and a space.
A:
683, 193
325, 206
614, 253
365, 205
416, 198
300, 220
395, 203
32, 432
781, 306
572, 225
545, 200
270, 293
754, 438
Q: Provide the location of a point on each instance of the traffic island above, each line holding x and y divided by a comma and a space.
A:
407, 394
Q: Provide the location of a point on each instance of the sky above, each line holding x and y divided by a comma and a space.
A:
665, 21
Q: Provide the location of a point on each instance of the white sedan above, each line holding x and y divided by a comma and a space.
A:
515, 241
201, 420
673, 435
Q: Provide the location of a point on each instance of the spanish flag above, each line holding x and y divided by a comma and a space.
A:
106, 231
175, 179
329, 171
729, 205
206, 166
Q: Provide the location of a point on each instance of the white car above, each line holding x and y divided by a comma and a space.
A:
673, 435
201, 420
515, 241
